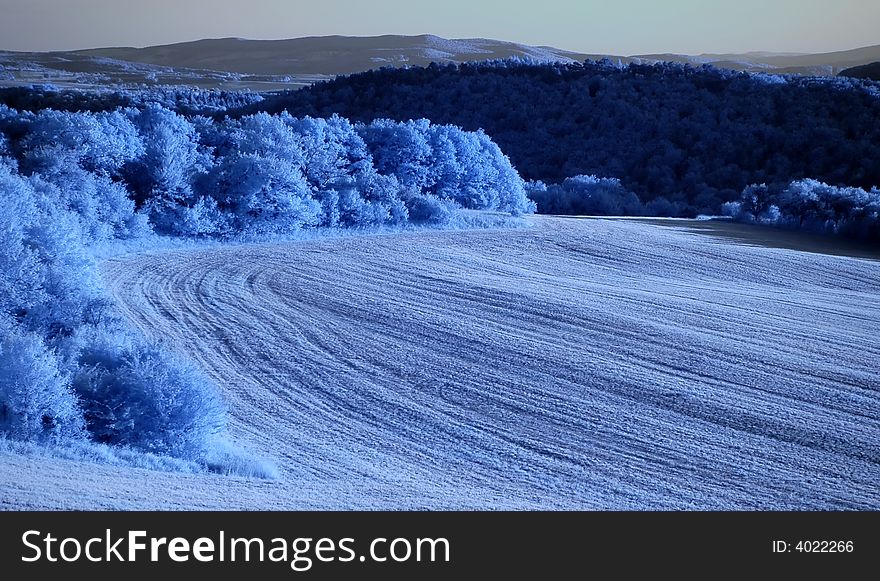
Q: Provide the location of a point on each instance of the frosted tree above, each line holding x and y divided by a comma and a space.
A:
401, 150
162, 178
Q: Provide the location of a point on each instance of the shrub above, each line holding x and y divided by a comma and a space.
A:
586, 195
137, 395
36, 400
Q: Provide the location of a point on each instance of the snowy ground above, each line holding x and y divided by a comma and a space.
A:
575, 364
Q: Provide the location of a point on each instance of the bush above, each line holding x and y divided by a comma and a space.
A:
586, 195
68, 369
135, 394
429, 209
36, 401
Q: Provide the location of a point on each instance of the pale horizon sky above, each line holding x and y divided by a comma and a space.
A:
625, 27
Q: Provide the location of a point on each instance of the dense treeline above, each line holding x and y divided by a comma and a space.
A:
196, 176
808, 205
693, 136
184, 100
70, 370
812, 206
594, 196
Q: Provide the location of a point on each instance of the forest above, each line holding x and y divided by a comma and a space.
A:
691, 137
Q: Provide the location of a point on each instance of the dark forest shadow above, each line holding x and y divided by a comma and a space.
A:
756, 235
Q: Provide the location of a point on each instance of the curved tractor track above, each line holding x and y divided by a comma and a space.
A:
574, 364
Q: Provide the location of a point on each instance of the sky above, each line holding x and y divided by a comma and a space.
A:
621, 27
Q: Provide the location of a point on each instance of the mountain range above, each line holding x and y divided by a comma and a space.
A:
232, 63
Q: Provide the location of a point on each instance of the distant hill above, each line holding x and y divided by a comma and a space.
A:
869, 71
262, 65
329, 55
74, 70
338, 55
821, 64
265, 65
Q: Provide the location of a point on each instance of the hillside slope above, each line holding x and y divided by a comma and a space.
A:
818, 64
692, 136
269, 65
334, 55
868, 71
328, 55
575, 364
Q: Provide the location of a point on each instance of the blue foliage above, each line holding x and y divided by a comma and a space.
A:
186, 100
465, 167
812, 206
401, 150
100, 143
586, 195
695, 136
36, 400
162, 178
70, 370
135, 394
430, 209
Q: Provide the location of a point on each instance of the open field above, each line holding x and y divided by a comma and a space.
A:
573, 364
